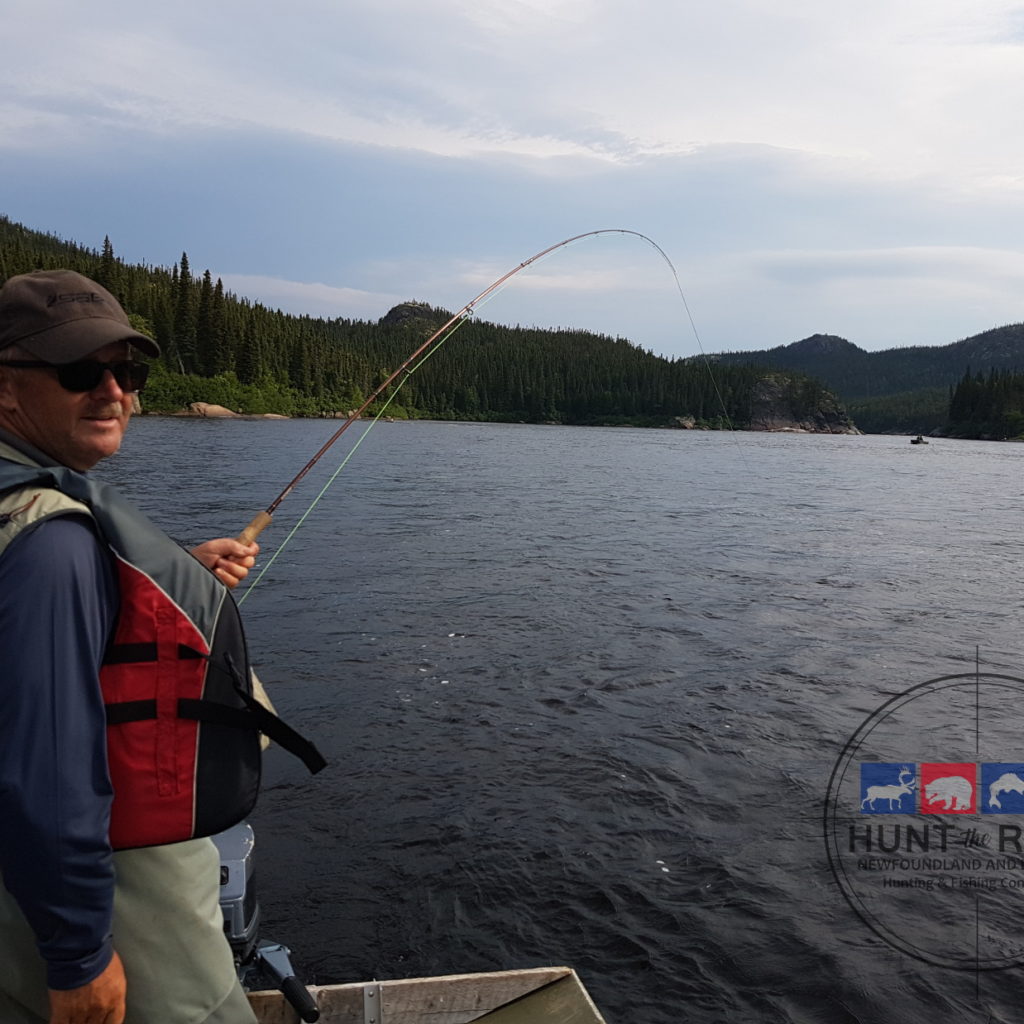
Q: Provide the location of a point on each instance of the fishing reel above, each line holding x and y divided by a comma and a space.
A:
260, 964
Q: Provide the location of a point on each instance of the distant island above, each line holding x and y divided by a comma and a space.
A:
224, 350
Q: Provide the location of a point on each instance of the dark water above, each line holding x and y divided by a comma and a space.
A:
582, 691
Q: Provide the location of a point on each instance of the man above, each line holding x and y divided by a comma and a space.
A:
87, 935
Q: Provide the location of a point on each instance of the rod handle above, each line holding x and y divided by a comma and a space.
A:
260, 522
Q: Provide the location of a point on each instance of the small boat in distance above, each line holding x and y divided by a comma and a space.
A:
918, 440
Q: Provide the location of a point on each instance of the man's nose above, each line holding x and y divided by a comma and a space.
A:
108, 387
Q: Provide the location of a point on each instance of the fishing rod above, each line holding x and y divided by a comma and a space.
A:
263, 519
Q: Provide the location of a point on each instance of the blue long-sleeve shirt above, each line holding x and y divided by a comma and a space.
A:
58, 604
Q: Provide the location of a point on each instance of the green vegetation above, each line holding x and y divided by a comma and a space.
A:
224, 349
909, 412
987, 407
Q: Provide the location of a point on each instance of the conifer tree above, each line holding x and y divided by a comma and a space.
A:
206, 341
107, 275
250, 365
223, 344
185, 319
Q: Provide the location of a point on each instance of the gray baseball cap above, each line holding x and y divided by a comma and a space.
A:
60, 316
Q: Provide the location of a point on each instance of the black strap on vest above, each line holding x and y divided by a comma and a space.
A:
130, 711
253, 716
129, 654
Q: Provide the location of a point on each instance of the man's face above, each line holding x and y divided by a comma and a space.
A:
76, 429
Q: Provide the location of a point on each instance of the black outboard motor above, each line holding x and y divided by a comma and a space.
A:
259, 964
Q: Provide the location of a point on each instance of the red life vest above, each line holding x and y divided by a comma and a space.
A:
183, 726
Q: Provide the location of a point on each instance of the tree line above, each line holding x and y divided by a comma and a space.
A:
924, 411
989, 406
226, 349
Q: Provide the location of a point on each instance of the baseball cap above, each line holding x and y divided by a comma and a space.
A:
60, 316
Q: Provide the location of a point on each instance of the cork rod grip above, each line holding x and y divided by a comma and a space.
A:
260, 522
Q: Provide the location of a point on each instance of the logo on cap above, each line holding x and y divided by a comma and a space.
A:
56, 300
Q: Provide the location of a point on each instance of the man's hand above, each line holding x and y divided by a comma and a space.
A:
99, 1002
229, 559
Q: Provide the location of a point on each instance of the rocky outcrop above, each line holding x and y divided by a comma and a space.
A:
782, 403
404, 312
210, 411
407, 314
207, 410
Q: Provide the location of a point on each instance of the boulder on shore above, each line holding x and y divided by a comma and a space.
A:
210, 411
684, 422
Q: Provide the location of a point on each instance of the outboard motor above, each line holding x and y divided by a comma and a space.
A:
259, 964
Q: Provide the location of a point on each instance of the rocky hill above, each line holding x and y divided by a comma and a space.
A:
857, 375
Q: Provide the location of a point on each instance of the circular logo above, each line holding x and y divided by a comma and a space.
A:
924, 821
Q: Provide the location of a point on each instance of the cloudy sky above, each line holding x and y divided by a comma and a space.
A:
807, 166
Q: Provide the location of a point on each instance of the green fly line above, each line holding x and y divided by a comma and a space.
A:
396, 380
344, 462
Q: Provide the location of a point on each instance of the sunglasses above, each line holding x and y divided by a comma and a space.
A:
87, 374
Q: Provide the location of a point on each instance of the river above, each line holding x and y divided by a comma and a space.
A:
582, 690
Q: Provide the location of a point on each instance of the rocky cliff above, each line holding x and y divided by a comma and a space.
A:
777, 402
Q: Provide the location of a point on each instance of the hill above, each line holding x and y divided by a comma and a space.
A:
226, 350
898, 389
856, 375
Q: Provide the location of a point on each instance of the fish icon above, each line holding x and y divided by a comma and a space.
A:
1008, 783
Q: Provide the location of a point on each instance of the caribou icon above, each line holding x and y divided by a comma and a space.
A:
891, 793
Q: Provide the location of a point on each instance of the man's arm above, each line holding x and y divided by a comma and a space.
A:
58, 601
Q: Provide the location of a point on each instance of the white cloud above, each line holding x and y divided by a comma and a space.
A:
950, 264
315, 299
877, 299
807, 166
897, 86
532, 20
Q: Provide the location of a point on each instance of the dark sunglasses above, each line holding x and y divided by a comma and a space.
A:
87, 374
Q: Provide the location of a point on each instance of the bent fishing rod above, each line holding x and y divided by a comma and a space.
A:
263, 519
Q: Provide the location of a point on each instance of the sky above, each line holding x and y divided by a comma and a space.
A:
805, 166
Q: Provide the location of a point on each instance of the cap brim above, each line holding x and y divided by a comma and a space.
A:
76, 339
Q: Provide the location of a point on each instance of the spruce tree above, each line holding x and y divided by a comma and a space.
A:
223, 344
107, 275
185, 319
206, 341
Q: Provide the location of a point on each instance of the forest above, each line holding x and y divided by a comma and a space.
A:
988, 407
923, 411
225, 349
